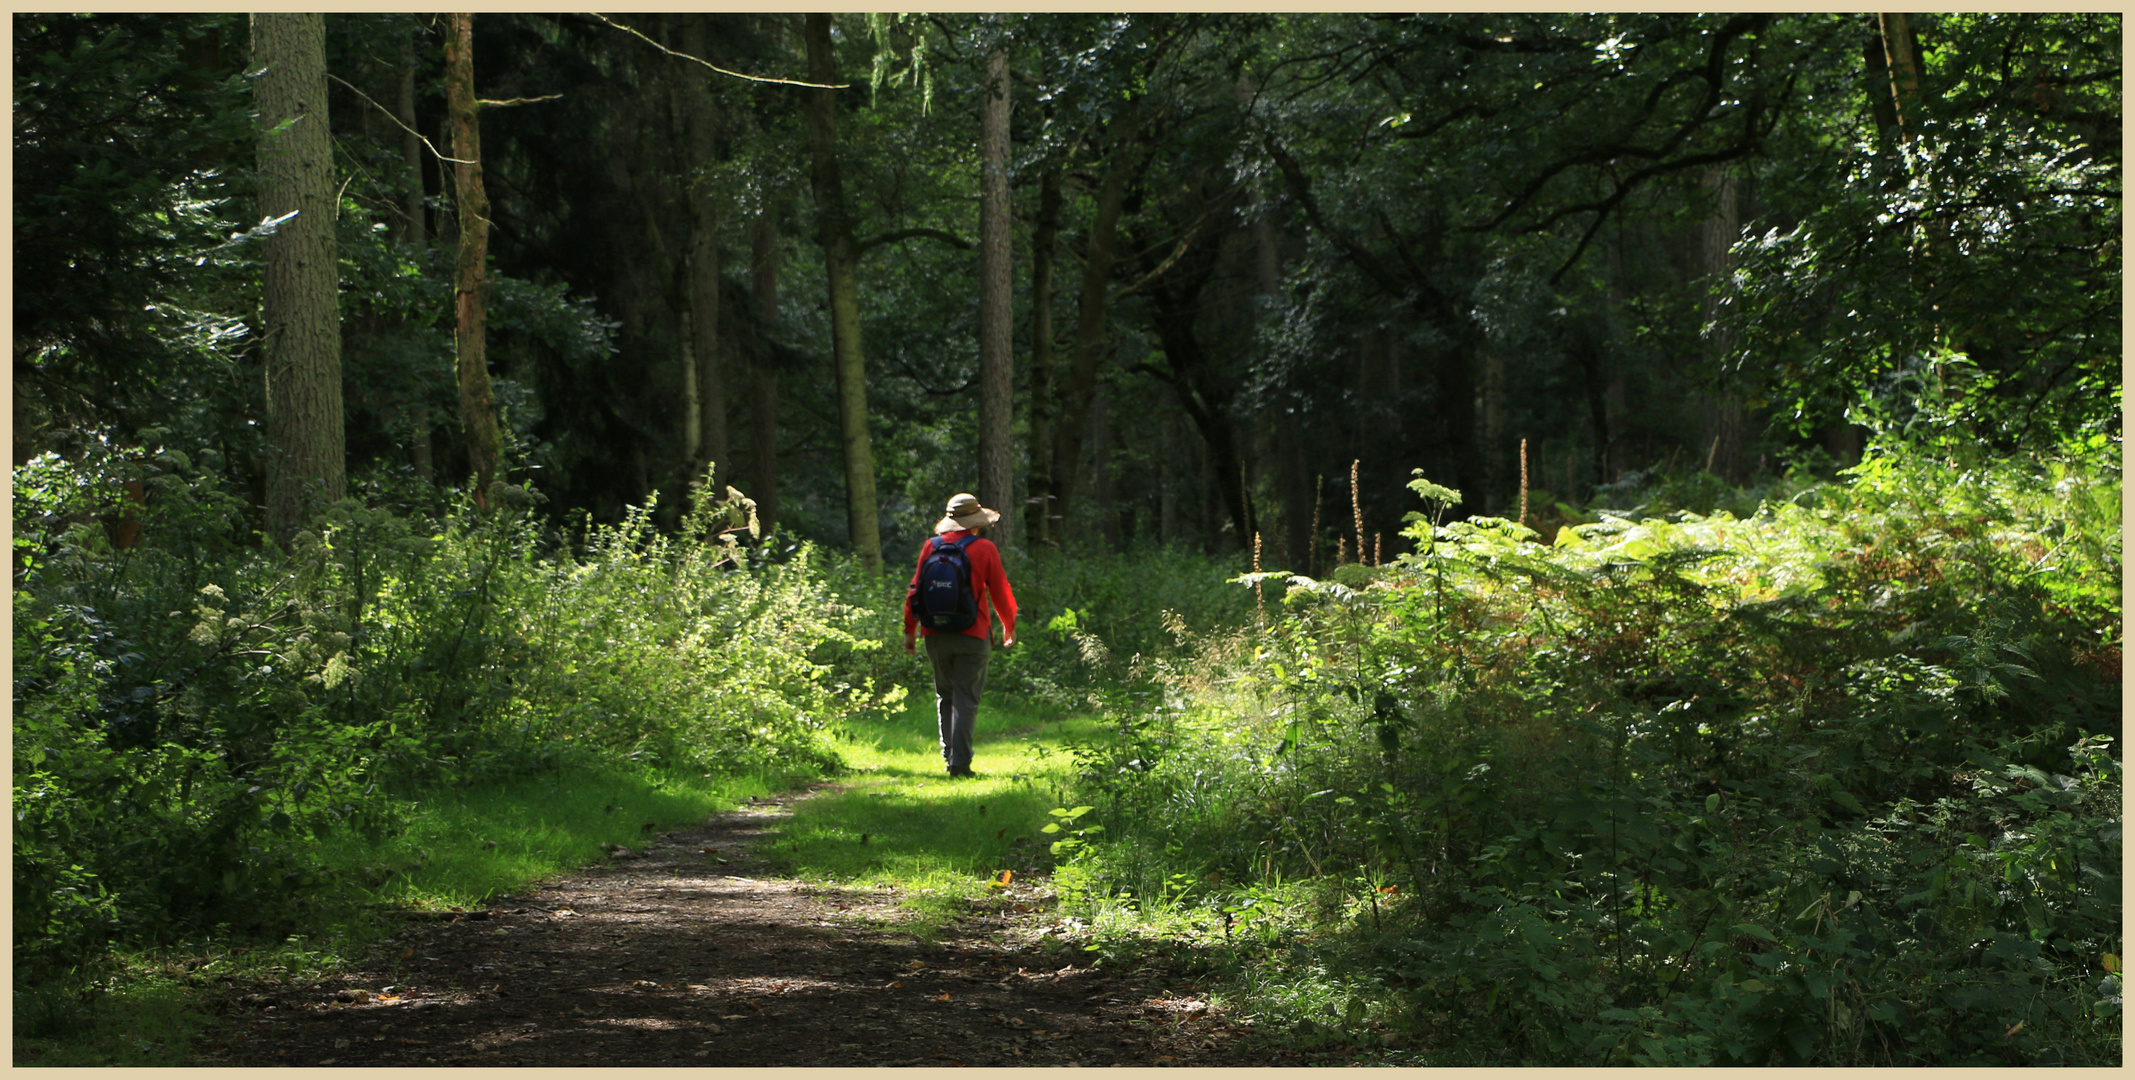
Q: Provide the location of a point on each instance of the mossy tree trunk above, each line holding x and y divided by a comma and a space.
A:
841, 261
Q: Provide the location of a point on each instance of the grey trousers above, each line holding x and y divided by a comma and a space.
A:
959, 662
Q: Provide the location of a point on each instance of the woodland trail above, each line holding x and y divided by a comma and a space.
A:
692, 950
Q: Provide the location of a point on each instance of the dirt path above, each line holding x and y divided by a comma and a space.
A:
691, 950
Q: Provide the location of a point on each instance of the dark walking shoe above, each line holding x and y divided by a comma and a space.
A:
960, 771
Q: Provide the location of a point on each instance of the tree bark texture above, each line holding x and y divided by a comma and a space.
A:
1043, 240
841, 265
700, 123
478, 407
1496, 479
1721, 430
414, 231
996, 364
763, 382
1090, 314
299, 303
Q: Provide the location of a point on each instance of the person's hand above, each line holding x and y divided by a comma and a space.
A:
909, 639
1009, 639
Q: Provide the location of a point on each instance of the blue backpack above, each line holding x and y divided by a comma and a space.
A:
942, 599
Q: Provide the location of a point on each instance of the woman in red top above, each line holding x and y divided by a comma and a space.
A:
959, 656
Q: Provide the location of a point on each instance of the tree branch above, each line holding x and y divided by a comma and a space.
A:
489, 104
949, 238
1193, 229
709, 64
396, 120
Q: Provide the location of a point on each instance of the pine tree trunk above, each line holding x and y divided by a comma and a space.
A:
841, 266
478, 409
701, 122
1042, 405
996, 370
299, 302
763, 385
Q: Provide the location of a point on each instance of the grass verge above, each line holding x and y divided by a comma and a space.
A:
897, 819
462, 847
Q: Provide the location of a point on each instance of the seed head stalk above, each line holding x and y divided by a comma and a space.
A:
1523, 481
1356, 505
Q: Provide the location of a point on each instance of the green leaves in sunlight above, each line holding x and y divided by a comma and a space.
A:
1832, 780
198, 719
1076, 838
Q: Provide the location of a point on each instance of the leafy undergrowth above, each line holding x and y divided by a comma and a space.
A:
1836, 783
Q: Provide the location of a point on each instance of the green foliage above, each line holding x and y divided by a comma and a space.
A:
1974, 253
1830, 783
196, 717
1093, 623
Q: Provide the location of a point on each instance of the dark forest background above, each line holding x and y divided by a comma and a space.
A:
1635, 243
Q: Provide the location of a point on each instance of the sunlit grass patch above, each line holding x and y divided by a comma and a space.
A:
899, 820
463, 847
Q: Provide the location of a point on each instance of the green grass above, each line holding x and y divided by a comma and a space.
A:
898, 820
464, 847
937, 841
144, 1021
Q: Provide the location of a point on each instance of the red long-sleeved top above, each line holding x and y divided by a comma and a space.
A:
988, 580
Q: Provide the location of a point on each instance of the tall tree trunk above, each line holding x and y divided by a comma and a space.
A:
996, 263
1074, 416
1042, 404
763, 381
299, 301
1902, 68
841, 263
1100, 445
415, 232
1202, 393
700, 126
478, 408
1720, 433
1495, 480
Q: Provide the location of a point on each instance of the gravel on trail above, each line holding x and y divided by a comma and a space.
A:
691, 949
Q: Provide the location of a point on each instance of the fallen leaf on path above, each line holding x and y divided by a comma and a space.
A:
943, 997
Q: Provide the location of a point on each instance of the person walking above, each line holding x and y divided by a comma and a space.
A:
957, 587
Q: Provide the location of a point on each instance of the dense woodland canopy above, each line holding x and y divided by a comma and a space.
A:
418, 407
1245, 251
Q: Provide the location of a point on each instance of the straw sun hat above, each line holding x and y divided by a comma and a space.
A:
965, 513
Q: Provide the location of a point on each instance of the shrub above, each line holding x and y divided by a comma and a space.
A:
1831, 783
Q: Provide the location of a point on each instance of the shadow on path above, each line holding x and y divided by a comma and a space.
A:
692, 951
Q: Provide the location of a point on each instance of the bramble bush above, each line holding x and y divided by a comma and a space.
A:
1832, 783
196, 711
